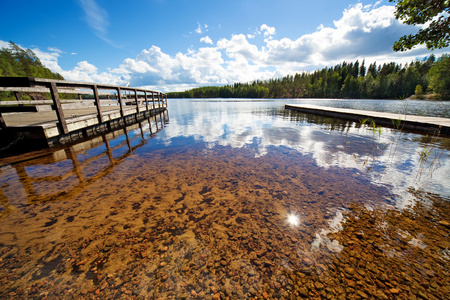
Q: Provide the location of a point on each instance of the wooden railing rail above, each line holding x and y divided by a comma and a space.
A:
56, 87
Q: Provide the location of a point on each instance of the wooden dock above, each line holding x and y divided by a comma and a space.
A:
57, 121
400, 121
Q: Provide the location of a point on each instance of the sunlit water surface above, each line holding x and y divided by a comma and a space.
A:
230, 199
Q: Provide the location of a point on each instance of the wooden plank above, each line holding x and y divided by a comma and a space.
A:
47, 102
153, 98
97, 103
46, 90
58, 108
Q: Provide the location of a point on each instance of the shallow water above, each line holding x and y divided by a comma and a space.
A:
230, 199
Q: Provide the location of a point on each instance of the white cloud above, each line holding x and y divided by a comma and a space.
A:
84, 66
238, 46
363, 32
52, 49
206, 40
96, 17
267, 30
200, 29
4, 44
49, 59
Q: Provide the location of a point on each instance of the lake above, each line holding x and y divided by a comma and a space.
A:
232, 199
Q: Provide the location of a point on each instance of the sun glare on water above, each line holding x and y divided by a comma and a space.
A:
293, 220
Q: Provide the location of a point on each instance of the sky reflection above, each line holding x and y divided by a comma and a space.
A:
388, 157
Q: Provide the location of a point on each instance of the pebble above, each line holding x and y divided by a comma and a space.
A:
303, 291
307, 262
318, 285
444, 223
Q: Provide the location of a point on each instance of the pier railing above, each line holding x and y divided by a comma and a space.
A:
121, 95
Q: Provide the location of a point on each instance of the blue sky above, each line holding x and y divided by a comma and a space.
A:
174, 45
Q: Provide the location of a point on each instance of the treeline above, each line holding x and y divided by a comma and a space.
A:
347, 80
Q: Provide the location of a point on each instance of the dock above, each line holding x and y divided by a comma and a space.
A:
48, 119
431, 125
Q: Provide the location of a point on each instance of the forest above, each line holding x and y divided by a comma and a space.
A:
17, 62
346, 80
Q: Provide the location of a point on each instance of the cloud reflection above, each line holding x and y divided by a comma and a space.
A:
392, 157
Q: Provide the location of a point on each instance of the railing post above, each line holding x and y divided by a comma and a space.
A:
153, 98
119, 96
2, 122
146, 100
137, 102
58, 108
97, 103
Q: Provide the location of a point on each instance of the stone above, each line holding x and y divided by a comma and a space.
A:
444, 223
362, 294
303, 291
307, 262
318, 285
422, 295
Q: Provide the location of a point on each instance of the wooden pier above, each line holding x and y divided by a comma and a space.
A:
58, 121
400, 121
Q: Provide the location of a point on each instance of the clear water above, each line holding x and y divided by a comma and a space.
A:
230, 199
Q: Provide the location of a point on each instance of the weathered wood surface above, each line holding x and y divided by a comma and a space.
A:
400, 121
